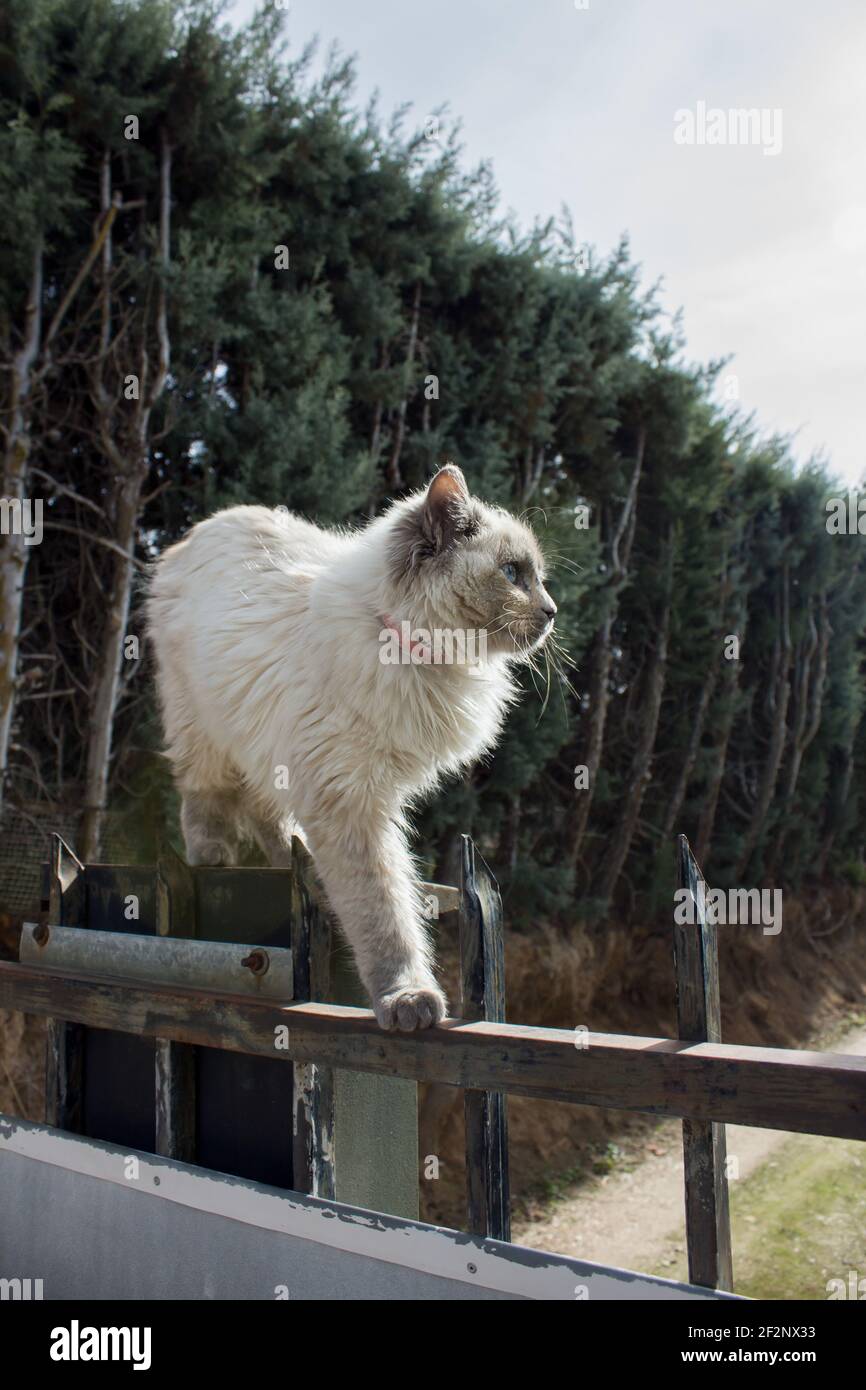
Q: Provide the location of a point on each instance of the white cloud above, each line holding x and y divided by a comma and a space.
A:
577, 106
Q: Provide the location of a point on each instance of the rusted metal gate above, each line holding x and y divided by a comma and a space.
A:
164, 1031
253, 1117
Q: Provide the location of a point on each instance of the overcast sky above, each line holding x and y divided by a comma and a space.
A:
765, 253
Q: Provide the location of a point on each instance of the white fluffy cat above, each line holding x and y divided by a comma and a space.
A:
281, 717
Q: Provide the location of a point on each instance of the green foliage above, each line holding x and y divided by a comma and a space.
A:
315, 386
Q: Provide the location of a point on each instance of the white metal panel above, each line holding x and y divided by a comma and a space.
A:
131, 1225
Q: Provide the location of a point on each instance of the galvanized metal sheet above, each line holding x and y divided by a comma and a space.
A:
167, 960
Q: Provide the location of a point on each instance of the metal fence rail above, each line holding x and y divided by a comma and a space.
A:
772, 1088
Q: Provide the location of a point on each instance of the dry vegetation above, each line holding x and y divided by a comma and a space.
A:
776, 991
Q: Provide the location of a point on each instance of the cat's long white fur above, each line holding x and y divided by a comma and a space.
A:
281, 718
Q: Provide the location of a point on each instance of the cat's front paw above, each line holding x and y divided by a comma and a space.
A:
406, 1010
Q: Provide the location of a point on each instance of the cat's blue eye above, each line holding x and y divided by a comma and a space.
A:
510, 572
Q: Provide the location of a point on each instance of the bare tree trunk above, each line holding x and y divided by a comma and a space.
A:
128, 461
841, 799
599, 697
377, 429
619, 551
107, 675
374, 500
376, 436
13, 555
779, 730
809, 702
708, 690
707, 820
640, 772
531, 473
679, 791
731, 683
393, 476
28, 369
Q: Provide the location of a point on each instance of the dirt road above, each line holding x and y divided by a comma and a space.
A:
633, 1217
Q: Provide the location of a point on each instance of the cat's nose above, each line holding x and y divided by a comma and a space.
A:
548, 608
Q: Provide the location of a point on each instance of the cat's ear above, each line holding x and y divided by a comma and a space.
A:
446, 507
432, 524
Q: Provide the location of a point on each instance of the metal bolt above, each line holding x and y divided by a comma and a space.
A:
257, 961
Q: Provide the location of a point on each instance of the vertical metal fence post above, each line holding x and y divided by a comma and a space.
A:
696, 964
482, 978
313, 1119
64, 1066
175, 1062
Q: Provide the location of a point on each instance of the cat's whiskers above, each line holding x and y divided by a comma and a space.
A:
556, 656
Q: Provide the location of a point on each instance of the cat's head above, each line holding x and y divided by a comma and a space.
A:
474, 566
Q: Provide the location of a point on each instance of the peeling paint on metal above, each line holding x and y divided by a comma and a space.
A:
431, 1249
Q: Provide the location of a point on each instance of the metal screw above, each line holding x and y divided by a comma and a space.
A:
473, 1269
257, 961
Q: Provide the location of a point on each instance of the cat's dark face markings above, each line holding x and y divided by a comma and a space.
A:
478, 566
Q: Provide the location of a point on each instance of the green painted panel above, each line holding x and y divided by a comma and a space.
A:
375, 1123
244, 1104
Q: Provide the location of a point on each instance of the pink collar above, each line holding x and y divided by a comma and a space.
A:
403, 631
